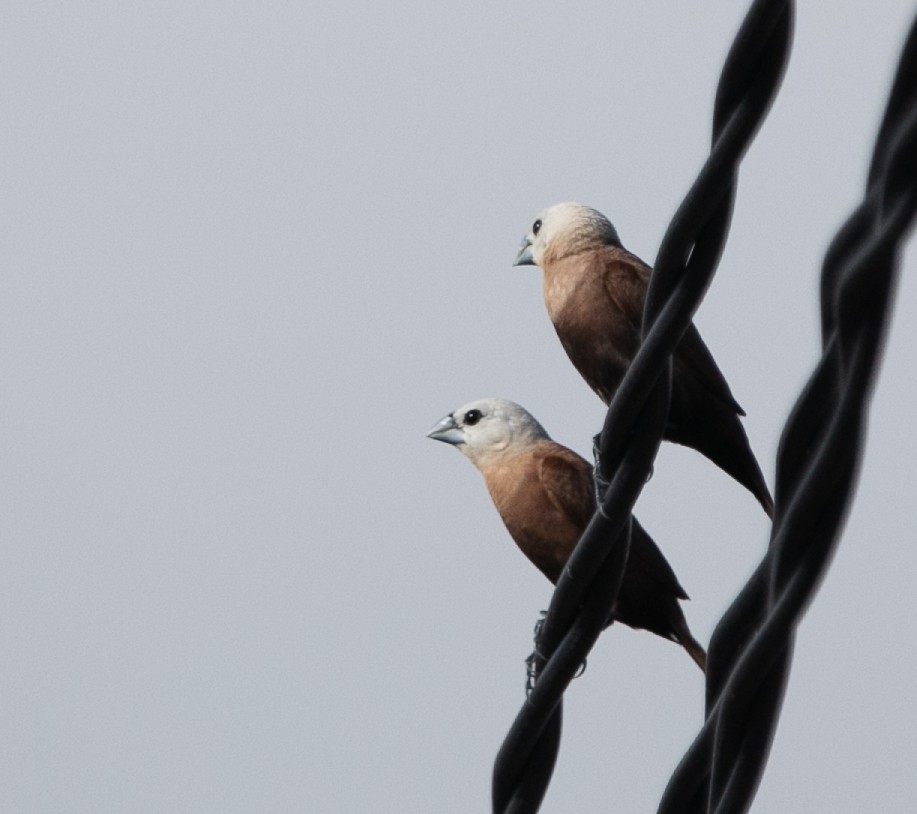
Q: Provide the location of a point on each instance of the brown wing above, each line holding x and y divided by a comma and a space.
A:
625, 278
694, 361
647, 560
567, 482
623, 288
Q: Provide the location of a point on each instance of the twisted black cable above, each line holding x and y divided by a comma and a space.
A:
636, 417
817, 468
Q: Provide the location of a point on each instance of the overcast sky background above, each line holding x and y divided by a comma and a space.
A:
251, 253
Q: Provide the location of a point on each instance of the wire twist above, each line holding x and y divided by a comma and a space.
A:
817, 467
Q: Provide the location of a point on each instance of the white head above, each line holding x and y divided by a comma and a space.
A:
488, 427
562, 230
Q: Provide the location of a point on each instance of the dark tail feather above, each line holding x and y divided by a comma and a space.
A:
695, 651
746, 471
768, 503
718, 434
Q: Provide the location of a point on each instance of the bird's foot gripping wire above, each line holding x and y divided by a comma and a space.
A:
536, 633
535, 660
531, 671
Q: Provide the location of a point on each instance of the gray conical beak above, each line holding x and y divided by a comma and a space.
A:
524, 255
447, 431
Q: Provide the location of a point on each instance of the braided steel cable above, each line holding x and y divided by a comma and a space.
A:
817, 468
633, 427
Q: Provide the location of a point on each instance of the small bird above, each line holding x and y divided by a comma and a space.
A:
594, 291
544, 494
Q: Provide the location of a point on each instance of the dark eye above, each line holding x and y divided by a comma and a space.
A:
472, 417
536, 227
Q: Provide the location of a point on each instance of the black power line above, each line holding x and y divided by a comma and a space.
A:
817, 467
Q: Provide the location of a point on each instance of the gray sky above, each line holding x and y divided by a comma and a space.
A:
251, 254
